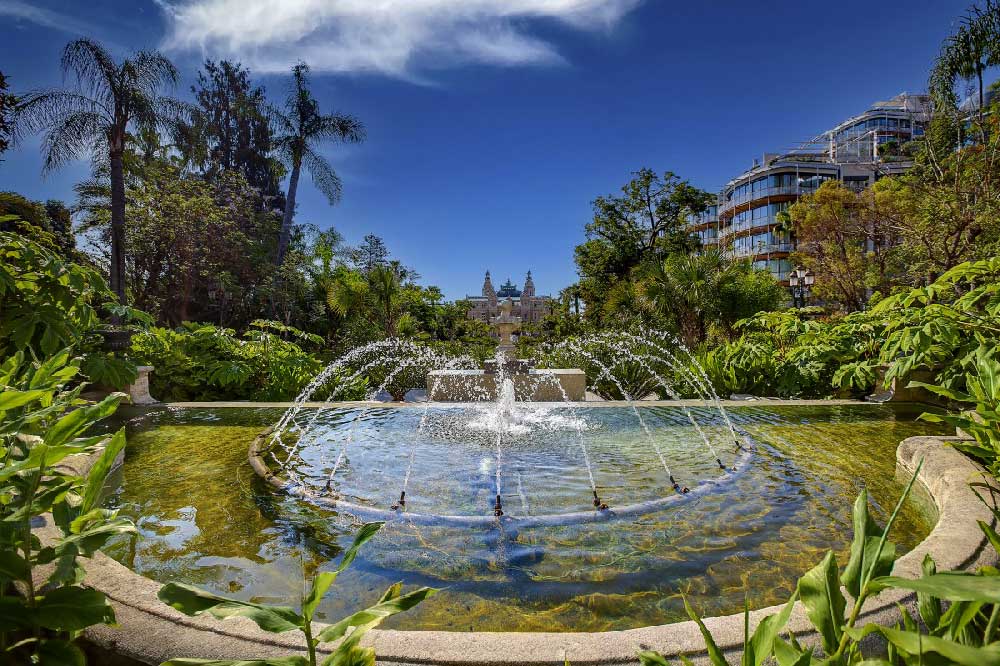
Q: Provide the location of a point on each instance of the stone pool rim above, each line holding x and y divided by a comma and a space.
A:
151, 632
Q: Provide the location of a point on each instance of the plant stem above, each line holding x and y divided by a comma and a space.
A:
310, 644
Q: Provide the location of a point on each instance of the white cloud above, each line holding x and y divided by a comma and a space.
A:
44, 17
386, 36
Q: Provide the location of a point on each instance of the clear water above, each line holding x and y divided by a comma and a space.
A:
206, 519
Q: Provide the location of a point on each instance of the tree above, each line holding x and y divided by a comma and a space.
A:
695, 291
47, 223
95, 118
848, 242
966, 55
7, 104
230, 128
371, 253
647, 222
301, 126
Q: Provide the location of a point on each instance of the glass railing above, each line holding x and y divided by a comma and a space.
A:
784, 190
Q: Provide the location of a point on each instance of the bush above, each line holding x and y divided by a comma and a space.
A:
198, 362
48, 303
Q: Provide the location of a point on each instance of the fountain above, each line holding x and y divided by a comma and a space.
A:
529, 384
291, 455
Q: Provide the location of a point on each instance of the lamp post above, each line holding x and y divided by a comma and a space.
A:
800, 281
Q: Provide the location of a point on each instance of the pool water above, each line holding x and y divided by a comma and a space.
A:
205, 518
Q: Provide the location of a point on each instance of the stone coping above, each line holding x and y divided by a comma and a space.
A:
354, 404
150, 632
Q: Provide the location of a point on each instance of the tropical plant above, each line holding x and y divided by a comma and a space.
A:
205, 362
95, 118
48, 303
43, 606
299, 128
964, 633
281, 619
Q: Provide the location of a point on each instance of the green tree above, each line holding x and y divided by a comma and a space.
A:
693, 292
848, 242
646, 222
230, 130
95, 118
7, 102
300, 128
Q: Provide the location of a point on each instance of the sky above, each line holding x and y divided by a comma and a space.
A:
492, 124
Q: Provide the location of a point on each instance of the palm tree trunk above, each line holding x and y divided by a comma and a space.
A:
117, 268
286, 220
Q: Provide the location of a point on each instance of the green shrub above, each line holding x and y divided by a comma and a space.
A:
48, 303
198, 362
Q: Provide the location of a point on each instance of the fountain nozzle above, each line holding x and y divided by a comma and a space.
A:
497, 509
401, 502
721, 466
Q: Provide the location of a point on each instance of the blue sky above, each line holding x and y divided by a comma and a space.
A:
493, 123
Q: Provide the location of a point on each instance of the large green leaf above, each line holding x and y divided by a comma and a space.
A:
715, 655
192, 601
54, 652
99, 471
650, 658
865, 545
323, 581
366, 619
928, 605
78, 420
824, 602
914, 643
950, 586
12, 567
13, 399
788, 654
761, 644
73, 608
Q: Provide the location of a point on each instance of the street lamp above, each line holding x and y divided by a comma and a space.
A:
800, 281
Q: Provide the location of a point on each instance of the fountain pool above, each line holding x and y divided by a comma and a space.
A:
206, 518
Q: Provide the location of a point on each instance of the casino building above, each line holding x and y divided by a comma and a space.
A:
527, 305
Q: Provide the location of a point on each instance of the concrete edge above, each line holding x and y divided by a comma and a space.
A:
151, 632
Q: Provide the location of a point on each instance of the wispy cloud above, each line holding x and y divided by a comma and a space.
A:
47, 18
393, 37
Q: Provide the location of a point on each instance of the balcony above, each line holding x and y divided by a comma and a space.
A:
761, 249
784, 190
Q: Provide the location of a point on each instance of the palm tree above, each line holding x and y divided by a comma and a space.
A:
96, 118
686, 287
300, 127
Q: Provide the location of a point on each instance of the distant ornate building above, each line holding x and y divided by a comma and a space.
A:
529, 307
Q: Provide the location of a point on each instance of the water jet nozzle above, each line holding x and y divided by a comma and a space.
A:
497, 509
721, 466
401, 502
685, 490
597, 501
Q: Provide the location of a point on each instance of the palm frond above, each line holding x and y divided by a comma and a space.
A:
95, 69
75, 135
341, 127
326, 179
38, 110
153, 71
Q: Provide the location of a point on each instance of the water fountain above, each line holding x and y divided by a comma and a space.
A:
302, 461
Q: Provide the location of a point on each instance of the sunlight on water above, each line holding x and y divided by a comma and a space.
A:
206, 519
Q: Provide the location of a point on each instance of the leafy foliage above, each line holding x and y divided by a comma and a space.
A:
48, 303
205, 362
963, 632
280, 619
42, 422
